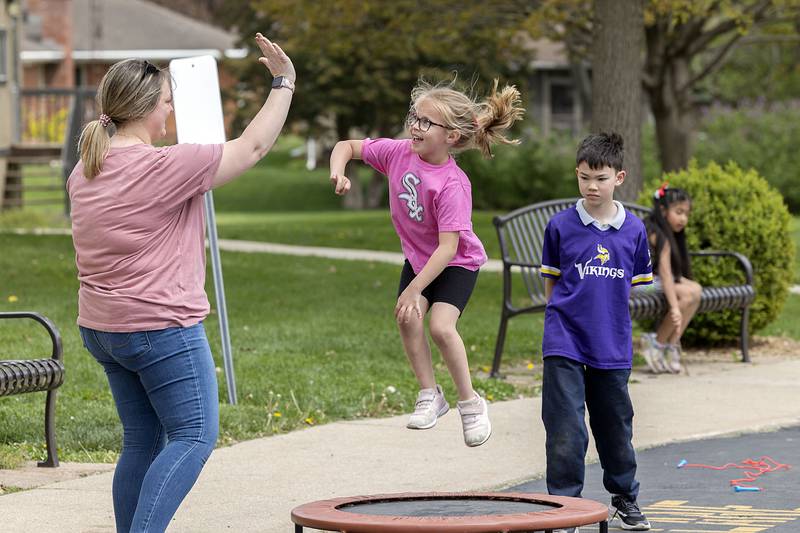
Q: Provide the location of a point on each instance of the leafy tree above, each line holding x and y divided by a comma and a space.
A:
764, 69
686, 41
357, 61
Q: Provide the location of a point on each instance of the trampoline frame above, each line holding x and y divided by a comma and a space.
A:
566, 512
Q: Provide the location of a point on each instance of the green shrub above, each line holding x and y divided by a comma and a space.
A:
538, 169
737, 210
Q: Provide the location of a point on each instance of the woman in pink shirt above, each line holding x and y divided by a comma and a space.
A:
138, 231
430, 199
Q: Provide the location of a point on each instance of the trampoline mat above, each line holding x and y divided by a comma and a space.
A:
450, 506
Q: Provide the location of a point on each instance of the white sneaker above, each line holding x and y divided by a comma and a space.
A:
429, 407
652, 353
475, 421
673, 358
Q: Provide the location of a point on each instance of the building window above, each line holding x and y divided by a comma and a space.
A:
3, 53
562, 105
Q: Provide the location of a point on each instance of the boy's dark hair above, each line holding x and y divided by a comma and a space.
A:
601, 150
657, 225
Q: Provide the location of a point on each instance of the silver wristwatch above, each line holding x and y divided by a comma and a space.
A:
282, 82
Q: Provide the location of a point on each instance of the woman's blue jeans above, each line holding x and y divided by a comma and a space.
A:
165, 388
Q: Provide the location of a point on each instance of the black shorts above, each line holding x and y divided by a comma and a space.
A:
453, 286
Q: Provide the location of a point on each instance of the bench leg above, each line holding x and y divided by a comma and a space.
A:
744, 335
50, 430
498, 348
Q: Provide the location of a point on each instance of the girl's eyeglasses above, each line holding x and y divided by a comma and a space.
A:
424, 123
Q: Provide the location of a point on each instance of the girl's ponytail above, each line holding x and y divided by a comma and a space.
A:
497, 113
93, 146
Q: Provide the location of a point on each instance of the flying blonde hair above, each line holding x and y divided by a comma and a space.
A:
480, 124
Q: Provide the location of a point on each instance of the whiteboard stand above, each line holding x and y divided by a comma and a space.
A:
198, 119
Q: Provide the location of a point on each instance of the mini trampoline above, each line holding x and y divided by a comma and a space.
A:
434, 512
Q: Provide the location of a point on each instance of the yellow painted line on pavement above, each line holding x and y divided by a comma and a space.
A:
739, 518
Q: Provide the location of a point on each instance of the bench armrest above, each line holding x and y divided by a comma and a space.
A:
744, 262
52, 330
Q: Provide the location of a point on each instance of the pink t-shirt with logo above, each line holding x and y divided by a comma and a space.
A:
424, 200
139, 236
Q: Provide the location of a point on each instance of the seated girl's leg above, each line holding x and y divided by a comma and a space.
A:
666, 330
688, 292
180, 379
444, 318
143, 435
563, 396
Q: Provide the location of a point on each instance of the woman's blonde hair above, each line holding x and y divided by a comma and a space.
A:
481, 124
128, 91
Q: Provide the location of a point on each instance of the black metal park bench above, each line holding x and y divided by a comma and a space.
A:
18, 376
521, 233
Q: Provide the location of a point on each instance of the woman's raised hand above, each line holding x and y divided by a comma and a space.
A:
275, 59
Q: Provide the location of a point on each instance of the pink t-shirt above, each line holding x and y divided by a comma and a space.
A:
139, 236
424, 200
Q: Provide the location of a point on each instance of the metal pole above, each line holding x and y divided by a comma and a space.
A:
219, 291
15, 73
198, 119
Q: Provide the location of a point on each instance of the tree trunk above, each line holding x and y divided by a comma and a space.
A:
673, 131
617, 64
670, 102
355, 198
376, 190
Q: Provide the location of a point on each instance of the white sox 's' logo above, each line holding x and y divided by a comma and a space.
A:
410, 182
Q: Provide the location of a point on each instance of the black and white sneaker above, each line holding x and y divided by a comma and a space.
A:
630, 517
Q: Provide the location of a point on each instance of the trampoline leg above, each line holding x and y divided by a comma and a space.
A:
298, 528
603, 527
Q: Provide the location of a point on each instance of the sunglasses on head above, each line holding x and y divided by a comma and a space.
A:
149, 68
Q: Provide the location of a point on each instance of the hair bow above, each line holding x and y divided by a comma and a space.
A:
661, 191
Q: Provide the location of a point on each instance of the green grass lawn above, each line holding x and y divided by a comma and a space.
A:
313, 341
369, 230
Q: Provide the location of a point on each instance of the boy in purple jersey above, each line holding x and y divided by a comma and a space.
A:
592, 254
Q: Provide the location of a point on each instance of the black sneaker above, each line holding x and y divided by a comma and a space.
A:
630, 517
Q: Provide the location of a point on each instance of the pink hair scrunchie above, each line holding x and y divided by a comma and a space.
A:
104, 120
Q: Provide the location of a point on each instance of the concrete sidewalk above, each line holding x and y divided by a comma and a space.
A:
253, 486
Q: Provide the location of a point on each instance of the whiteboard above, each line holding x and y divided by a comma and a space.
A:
197, 101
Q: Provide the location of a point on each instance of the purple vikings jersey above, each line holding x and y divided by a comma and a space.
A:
587, 318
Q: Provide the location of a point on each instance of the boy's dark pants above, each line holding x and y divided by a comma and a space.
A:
567, 385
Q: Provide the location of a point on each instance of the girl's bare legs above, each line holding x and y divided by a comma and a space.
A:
444, 333
666, 330
417, 348
689, 292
